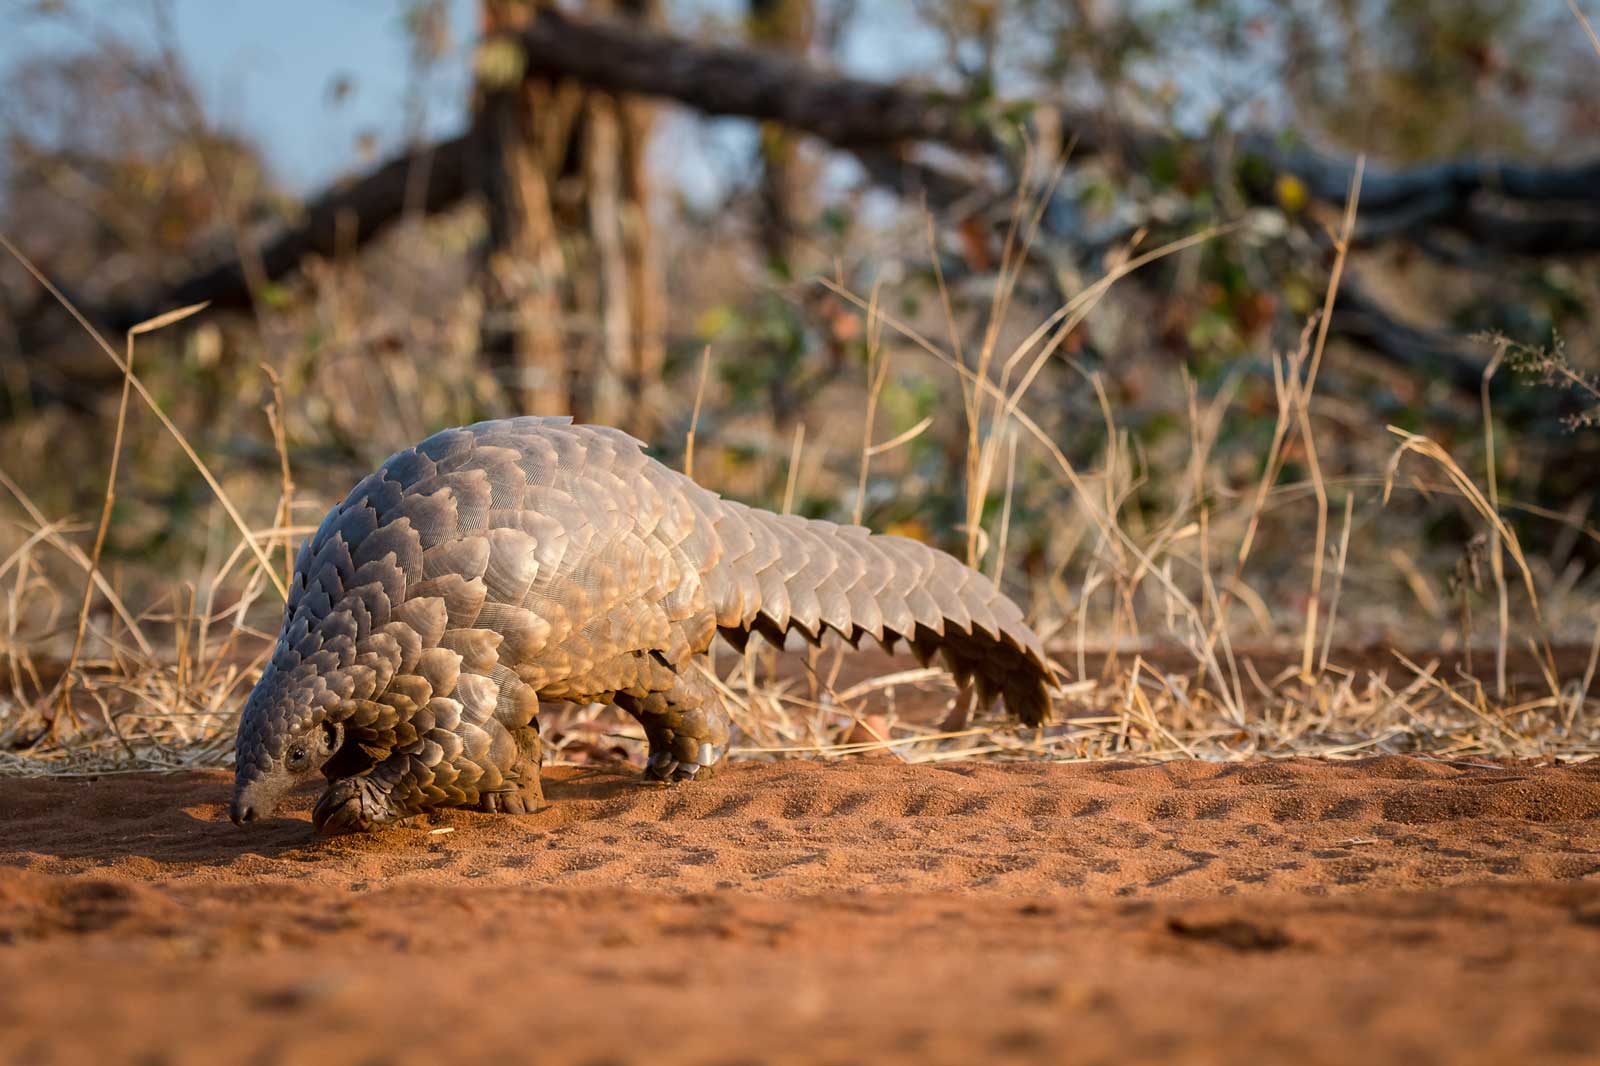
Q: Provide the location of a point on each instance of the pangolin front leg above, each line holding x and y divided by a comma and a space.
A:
523, 793
687, 724
457, 763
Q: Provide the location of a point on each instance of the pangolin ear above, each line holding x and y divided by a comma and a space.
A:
332, 736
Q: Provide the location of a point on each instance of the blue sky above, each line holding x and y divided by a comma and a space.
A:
265, 69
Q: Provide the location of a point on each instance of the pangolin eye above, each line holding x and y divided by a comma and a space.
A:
297, 755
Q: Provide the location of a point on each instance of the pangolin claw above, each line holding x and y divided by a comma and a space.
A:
665, 767
661, 767
351, 805
509, 801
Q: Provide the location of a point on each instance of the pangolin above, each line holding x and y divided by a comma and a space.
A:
500, 564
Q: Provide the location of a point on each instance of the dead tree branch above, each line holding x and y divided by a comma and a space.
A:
343, 217
749, 83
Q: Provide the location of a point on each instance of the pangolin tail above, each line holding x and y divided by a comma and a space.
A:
783, 572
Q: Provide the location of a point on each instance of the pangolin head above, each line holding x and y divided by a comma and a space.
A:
285, 736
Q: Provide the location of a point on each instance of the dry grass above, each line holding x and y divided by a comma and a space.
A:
1172, 640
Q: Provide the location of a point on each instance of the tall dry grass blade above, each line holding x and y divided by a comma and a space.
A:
165, 319
280, 443
1338, 583
1303, 393
694, 418
150, 325
1585, 686
150, 401
792, 477
1413, 442
901, 438
77, 556
1005, 509
877, 378
1497, 562
1583, 20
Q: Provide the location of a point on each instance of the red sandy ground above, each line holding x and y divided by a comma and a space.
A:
1389, 910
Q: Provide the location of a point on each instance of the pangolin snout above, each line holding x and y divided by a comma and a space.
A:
256, 797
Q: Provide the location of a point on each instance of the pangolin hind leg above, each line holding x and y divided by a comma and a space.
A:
457, 761
687, 725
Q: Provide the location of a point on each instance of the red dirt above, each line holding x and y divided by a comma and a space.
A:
1388, 910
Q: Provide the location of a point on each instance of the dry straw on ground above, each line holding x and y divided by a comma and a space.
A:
1169, 649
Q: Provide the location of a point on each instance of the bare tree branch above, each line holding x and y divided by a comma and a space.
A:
1513, 208
750, 83
345, 216
1361, 318
851, 113
339, 219
1456, 180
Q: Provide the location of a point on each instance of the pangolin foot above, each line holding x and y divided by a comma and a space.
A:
519, 799
351, 805
667, 767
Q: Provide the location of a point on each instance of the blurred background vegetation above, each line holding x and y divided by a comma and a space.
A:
575, 207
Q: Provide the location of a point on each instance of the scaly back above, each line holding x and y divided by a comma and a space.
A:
540, 551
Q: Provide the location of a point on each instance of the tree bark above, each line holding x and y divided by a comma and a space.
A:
573, 319
521, 269
785, 25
